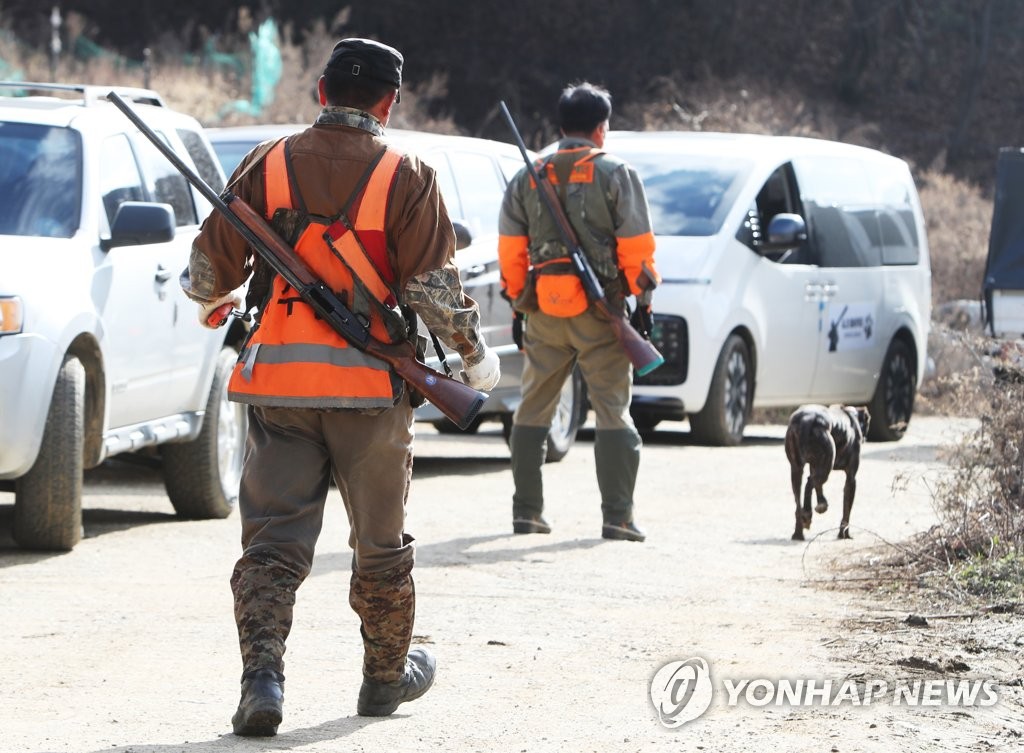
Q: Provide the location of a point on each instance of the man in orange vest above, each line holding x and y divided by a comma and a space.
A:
370, 222
604, 201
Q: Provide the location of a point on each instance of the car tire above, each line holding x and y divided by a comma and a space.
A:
48, 499
724, 417
569, 415
893, 401
202, 476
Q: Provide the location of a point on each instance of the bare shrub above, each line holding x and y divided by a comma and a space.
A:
958, 217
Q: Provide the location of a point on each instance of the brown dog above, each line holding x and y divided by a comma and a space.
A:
825, 439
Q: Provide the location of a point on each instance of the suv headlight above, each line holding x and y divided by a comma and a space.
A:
12, 315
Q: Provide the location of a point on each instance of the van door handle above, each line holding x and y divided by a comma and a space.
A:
476, 270
812, 292
163, 274
829, 290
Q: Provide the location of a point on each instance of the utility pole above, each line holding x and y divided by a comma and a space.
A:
55, 45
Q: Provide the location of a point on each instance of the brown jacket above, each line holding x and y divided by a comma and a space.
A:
327, 160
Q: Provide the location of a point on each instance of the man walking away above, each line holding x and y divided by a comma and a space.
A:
605, 203
370, 222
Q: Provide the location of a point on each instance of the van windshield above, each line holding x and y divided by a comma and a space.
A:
40, 180
689, 194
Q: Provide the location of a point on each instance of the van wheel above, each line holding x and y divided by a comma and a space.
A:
725, 414
893, 401
48, 499
202, 476
569, 415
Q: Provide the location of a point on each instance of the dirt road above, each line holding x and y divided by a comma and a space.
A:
544, 643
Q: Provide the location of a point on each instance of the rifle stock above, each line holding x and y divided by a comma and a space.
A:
456, 400
641, 352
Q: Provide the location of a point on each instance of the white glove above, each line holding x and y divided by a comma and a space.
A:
206, 309
485, 374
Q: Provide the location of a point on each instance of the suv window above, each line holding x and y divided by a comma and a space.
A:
40, 180
119, 175
166, 184
205, 163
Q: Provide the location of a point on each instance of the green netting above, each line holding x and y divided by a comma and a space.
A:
266, 71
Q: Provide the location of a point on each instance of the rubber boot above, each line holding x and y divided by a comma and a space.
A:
260, 709
617, 457
382, 698
528, 446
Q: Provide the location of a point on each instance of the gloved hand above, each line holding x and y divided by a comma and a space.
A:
211, 318
642, 320
484, 374
643, 317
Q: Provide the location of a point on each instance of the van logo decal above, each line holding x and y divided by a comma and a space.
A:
850, 326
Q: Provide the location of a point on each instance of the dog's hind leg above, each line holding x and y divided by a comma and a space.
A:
849, 489
805, 513
796, 476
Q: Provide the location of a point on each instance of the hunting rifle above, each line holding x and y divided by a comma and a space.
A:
642, 353
456, 400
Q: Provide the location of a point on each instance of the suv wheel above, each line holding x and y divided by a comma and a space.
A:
202, 476
570, 413
725, 414
48, 499
893, 401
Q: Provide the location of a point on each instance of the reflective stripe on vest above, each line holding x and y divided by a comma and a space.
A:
294, 359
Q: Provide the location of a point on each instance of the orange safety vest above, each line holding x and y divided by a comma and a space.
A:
558, 287
293, 358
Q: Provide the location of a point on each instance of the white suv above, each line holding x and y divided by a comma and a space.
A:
100, 351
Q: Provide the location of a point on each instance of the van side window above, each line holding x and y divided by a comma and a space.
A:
841, 211
890, 186
778, 195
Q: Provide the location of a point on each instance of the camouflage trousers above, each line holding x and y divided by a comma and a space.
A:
290, 460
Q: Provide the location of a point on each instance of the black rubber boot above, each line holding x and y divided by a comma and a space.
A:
617, 460
260, 710
382, 698
528, 446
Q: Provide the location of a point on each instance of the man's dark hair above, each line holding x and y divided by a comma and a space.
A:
361, 93
583, 107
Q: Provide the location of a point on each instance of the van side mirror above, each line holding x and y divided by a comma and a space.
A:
785, 230
463, 235
140, 222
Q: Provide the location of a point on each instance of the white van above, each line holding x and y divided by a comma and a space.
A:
794, 270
